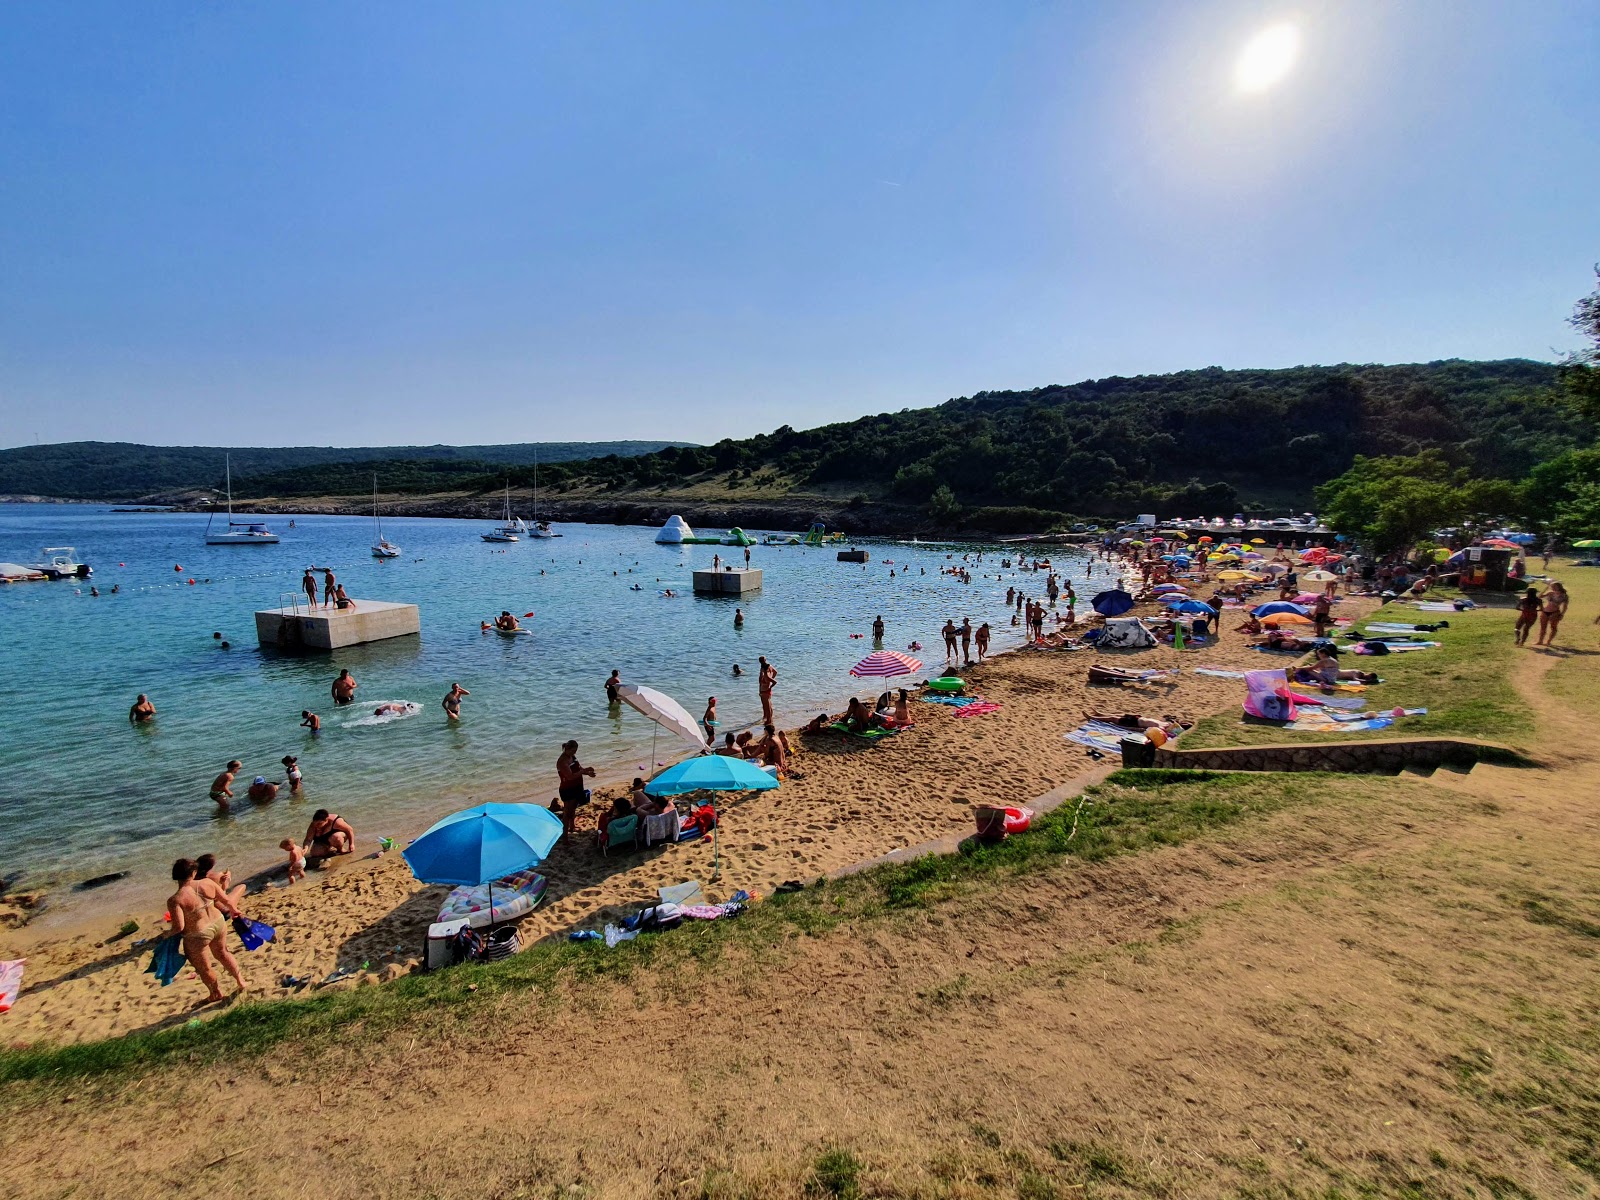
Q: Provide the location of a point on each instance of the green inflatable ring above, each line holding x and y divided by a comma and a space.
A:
948, 683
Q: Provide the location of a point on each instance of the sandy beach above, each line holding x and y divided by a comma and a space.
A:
846, 802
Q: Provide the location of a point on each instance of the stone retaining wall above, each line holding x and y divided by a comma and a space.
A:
1385, 757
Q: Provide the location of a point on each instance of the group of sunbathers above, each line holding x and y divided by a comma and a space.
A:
771, 749
892, 712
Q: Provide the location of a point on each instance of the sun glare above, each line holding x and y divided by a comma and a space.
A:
1267, 58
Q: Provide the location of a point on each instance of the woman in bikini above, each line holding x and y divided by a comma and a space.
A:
1554, 601
1527, 614
200, 909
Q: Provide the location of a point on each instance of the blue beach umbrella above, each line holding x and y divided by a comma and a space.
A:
480, 845
1280, 606
1112, 603
1194, 606
710, 773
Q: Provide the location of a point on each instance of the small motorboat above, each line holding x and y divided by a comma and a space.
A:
61, 562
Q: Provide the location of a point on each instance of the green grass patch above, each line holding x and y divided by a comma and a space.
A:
837, 1173
1465, 685
1131, 811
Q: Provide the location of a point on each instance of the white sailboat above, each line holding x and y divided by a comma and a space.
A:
383, 547
511, 530
238, 533
539, 529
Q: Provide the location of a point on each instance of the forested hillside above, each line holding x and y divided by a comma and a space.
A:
1193, 440
128, 471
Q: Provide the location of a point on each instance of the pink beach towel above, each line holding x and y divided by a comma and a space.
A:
10, 982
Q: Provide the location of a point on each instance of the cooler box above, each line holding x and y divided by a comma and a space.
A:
437, 953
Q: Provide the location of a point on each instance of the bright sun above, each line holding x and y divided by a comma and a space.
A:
1267, 58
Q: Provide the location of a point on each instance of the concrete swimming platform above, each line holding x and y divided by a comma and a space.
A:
298, 628
730, 581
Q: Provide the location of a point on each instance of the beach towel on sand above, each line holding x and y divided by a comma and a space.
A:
981, 708
10, 982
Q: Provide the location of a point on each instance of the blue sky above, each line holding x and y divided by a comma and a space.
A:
380, 223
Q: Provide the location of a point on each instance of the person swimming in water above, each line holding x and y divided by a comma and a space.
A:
394, 708
141, 711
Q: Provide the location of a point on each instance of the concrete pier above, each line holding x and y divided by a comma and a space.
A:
729, 581
334, 628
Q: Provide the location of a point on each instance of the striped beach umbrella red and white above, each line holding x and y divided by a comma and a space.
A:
886, 663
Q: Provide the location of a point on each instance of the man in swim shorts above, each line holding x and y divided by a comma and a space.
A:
344, 688
330, 587
308, 581
612, 684
572, 792
452, 701
328, 836
141, 711
222, 785
310, 720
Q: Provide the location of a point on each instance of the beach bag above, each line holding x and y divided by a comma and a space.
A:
659, 917
466, 945
502, 943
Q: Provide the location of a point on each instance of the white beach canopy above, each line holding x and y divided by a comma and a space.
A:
664, 711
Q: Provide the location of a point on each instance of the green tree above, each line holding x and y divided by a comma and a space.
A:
942, 505
1578, 517
1388, 504
1580, 370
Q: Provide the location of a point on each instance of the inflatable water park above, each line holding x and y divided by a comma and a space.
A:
678, 532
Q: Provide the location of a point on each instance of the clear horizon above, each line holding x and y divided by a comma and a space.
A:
361, 225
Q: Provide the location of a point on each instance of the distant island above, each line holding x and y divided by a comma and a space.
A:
1204, 442
127, 472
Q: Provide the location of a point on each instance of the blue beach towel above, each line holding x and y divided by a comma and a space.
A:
952, 701
166, 960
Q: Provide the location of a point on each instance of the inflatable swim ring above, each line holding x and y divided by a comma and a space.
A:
946, 683
996, 823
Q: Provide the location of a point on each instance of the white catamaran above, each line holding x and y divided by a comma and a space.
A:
383, 547
238, 533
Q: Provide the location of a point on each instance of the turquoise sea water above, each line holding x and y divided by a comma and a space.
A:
84, 793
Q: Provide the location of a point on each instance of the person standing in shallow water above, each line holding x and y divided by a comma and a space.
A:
877, 628
142, 710
949, 632
966, 638
765, 682
613, 696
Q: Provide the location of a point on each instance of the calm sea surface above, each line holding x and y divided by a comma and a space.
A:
84, 793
